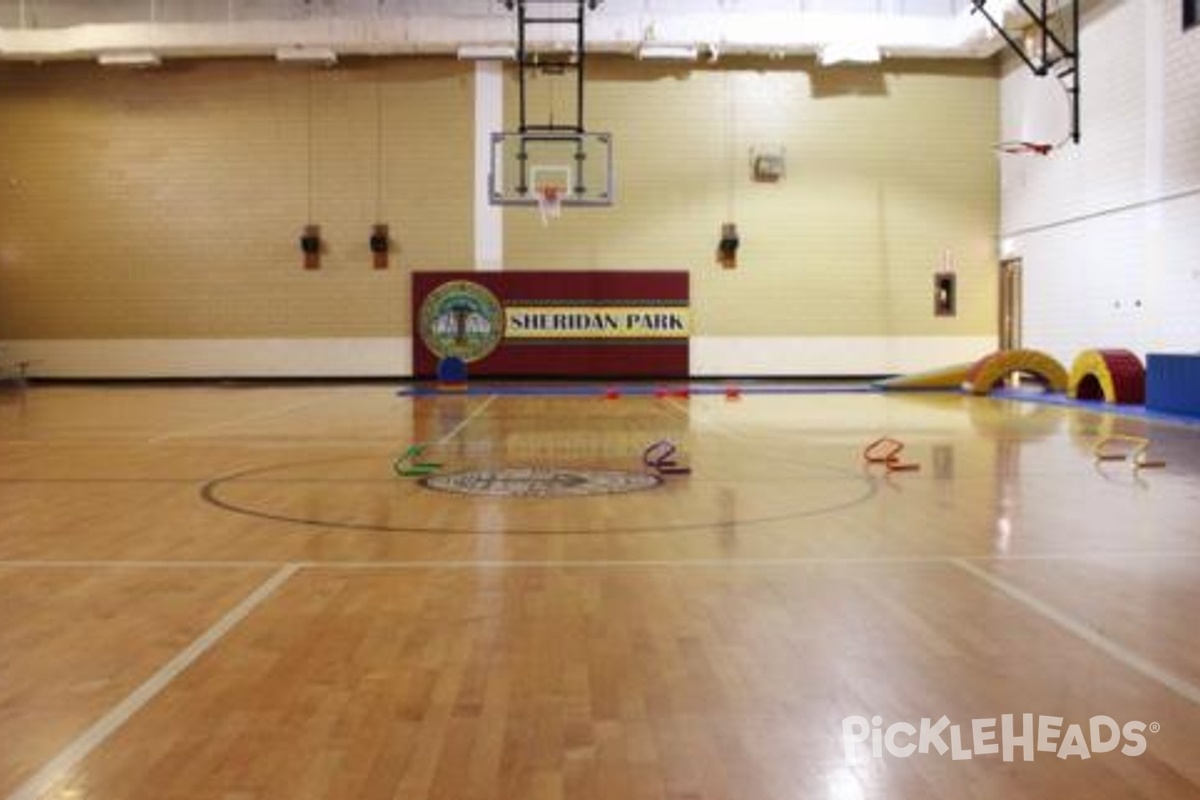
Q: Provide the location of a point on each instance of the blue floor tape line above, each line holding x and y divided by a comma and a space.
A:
599, 390
639, 390
1096, 406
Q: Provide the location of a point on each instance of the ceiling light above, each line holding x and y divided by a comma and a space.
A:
484, 52
139, 59
668, 52
849, 53
306, 55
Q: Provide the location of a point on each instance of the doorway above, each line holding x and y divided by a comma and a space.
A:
1010, 304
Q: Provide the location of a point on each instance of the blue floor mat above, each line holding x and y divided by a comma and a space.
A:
1095, 406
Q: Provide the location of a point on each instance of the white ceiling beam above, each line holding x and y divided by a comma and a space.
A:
731, 32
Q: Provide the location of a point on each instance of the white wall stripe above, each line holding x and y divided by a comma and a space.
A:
714, 356
391, 357
58, 767
489, 119
213, 358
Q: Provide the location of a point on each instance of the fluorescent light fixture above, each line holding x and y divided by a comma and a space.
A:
668, 52
849, 53
142, 59
487, 52
306, 55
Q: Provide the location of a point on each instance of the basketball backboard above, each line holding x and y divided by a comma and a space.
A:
578, 166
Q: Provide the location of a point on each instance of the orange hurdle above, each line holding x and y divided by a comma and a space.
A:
886, 451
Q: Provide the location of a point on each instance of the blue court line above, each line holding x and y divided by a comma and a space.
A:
635, 390
567, 389
1097, 407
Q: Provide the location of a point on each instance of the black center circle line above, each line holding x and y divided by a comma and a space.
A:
210, 494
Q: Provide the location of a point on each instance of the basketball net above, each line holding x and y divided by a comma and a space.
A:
549, 203
1025, 148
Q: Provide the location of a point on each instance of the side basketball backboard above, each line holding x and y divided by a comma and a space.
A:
577, 167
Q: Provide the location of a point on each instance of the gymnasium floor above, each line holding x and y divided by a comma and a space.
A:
225, 592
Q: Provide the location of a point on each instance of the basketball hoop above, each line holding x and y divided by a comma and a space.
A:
549, 199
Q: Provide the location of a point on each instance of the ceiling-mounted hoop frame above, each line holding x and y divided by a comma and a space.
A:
532, 14
1047, 43
586, 187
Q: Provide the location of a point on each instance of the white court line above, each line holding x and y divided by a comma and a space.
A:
705, 418
470, 418
58, 767
1124, 655
1133, 554
278, 412
466, 564
680, 563
262, 442
76, 563
554, 563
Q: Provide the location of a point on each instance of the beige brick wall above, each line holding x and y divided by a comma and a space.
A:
886, 170
167, 204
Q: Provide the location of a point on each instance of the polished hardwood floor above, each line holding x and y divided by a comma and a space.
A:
227, 592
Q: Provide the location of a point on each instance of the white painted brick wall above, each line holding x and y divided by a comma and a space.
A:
1181, 119
1109, 231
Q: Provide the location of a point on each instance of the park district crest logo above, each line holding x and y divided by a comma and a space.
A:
461, 319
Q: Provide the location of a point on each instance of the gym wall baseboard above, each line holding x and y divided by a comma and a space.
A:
212, 358
391, 357
831, 355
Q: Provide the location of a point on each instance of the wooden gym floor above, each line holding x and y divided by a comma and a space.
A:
225, 592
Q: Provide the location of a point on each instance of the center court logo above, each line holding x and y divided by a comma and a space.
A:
541, 482
1030, 735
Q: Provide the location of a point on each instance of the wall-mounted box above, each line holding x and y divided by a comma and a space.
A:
945, 294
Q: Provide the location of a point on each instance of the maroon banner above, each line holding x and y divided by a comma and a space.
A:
552, 324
